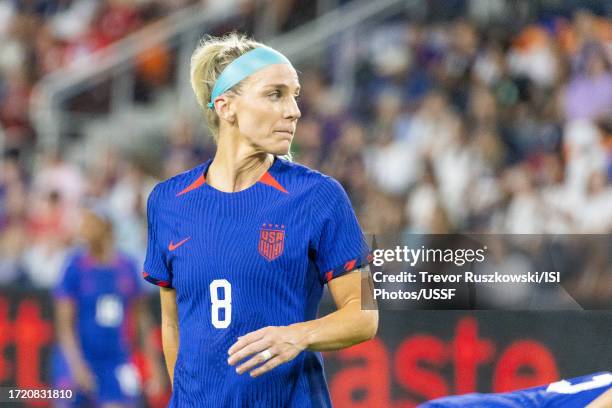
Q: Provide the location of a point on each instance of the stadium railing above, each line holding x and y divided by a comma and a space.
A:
49, 109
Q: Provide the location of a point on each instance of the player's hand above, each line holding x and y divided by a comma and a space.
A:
283, 343
85, 379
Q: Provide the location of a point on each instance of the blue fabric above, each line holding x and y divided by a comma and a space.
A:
243, 66
107, 377
102, 295
576, 393
274, 244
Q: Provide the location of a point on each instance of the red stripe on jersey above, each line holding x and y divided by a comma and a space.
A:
271, 181
198, 183
155, 280
350, 265
329, 275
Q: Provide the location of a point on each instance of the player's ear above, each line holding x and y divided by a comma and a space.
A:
225, 109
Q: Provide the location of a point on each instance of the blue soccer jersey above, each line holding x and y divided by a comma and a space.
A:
102, 294
575, 393
243, 261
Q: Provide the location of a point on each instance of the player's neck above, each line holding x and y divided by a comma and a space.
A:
102, 252
237, 167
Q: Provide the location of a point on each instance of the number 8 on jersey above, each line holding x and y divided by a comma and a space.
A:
224, 304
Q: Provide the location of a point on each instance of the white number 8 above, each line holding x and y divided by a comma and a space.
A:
225, 303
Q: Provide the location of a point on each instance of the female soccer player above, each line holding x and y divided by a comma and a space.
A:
99, 287
243, 244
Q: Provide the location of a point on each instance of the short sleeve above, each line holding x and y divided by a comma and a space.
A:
155, 269
68, 286
339, 244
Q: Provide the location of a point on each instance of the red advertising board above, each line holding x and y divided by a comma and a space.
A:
417, 355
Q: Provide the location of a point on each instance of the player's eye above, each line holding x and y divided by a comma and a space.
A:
297, 97
275, 95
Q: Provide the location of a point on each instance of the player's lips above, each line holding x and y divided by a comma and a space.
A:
288, 133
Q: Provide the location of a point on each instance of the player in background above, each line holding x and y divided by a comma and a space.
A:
591, 391
93, 301
243, 244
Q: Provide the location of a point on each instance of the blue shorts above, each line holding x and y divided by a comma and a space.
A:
117, 381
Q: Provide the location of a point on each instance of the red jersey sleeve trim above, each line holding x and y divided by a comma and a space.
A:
155, 281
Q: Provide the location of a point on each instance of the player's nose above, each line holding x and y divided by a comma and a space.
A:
292, 110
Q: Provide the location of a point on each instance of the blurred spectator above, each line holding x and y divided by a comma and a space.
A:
127, 200
57, 175
589, 93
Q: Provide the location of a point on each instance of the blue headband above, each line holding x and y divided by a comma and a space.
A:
244, 66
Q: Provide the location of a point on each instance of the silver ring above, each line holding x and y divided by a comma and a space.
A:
266, 355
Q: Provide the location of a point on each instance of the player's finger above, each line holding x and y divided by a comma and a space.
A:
243, 343
247, 339
271, 364
257, 359
247, 350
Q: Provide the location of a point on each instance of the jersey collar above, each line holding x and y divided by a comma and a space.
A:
267, 178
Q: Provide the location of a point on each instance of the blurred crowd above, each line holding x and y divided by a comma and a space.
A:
39, 36
458, 126
467, 123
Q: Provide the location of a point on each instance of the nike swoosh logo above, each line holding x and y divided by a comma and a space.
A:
172, 247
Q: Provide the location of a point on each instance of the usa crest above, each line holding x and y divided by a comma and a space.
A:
271, 241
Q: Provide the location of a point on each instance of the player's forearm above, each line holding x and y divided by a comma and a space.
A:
345, 327
170, 344
169, 328
66, 335
70, 347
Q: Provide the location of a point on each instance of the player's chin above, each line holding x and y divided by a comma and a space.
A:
280, 147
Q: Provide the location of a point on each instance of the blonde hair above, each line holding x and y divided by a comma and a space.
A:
209, 59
